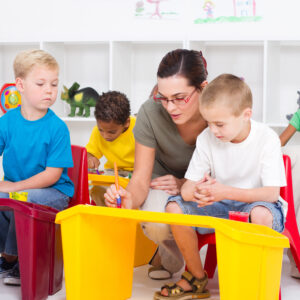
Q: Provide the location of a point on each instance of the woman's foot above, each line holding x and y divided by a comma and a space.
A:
157, 271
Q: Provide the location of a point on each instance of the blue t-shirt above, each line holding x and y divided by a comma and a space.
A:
28, 147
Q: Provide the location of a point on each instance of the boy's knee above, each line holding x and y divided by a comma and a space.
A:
261, 215
173, 207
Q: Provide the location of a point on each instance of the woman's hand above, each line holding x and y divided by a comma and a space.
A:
167, 183
112, 194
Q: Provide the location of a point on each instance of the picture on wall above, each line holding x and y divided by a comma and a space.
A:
218, 11
157, 9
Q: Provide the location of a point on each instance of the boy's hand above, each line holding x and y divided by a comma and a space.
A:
167, 183
112, 194
7, 187
209, 192
93, 162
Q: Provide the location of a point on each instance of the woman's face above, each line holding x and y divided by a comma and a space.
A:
176, 87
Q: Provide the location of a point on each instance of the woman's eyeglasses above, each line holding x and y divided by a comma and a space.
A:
158, 98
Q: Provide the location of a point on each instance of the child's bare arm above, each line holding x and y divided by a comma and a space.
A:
187, 190
38, 181
217, 192
93, 162
287, 134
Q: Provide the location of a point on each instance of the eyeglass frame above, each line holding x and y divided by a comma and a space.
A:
166, 101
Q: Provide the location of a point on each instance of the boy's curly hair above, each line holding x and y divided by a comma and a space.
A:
112, 106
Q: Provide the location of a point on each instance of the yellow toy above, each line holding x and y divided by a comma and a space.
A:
21, 196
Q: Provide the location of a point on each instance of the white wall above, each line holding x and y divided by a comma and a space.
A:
104, 19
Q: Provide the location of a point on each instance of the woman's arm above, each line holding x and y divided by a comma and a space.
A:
140, 181
138, 187
287, 134
41, 180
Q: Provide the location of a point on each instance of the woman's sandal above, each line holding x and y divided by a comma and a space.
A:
175, 292
159, 273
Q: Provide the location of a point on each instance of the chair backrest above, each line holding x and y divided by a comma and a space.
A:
79, 176
286, 193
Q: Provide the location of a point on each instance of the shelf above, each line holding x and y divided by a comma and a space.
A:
78, 119
270, 68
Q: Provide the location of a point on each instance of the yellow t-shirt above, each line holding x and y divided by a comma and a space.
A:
121, 150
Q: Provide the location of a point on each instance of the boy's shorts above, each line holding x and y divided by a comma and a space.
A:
221, 210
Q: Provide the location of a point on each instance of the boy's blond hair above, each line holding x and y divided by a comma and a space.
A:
26, 60
230, 90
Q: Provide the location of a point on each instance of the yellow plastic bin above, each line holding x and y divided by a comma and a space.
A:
144, 248
249, 261
99, 244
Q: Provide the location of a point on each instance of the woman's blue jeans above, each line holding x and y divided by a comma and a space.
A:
46, 196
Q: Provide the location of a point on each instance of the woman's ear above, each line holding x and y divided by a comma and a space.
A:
203, 84
19, 84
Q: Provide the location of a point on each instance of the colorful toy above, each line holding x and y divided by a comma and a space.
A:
289, 116
84, 99
9, 97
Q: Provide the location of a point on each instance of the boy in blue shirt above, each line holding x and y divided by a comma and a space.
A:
36, 150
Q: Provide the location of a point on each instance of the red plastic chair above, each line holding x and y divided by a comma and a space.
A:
39, 238
290, 231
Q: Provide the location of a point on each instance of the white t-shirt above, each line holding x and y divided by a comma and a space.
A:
253, 163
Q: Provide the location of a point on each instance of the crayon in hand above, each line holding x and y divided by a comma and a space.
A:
119, 203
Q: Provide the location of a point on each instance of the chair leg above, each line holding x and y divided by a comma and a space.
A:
211, 260
279, 293
34, 256
56, 263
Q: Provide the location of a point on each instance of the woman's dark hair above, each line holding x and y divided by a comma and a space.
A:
188, 63
112, 106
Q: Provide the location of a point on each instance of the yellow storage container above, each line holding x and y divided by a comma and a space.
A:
99, 245
144, 248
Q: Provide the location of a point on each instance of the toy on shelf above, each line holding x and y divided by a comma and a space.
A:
289, 116
9, 97
84, 99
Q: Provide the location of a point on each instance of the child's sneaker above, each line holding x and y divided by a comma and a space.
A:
13, 277
5, 267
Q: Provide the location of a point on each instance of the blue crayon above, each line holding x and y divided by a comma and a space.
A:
118, 202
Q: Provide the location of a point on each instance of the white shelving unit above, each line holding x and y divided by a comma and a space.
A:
269, 67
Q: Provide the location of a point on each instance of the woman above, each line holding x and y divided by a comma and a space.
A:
166, 129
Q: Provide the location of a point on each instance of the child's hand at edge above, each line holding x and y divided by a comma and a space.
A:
93, 162
7, 187
112, 194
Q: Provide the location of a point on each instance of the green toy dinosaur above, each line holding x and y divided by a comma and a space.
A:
84, 99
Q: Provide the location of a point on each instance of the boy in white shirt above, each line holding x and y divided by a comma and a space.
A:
237, 166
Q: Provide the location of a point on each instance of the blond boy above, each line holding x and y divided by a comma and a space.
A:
36, 150
237, 165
